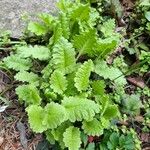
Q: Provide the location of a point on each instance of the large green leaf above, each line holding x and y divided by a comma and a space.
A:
17, 63
79, 109
29, 94
84, 42
63, 56
37, 52
36, 115
72, 138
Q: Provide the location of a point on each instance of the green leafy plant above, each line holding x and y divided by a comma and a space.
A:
62, 83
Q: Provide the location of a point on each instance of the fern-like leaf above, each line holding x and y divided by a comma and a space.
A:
64, 56
37, 52
72, 138
93, 127
80, 108
17, 63
25, 76
36, 115
82, 76
29, 94
55, 114
58, 82
84, 42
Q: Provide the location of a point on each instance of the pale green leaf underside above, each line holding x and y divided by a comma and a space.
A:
55, 114
82, 75
64, 56
72, 138
29, 77
35, 115
29, 94
37, 52
17, 63
93, 127
79, 109
58, 82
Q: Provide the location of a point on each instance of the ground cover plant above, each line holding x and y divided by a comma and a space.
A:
74, 88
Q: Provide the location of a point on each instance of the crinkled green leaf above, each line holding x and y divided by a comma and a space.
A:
111, 112
80, 108
80, 12
63, 56
93, 127
29, 94
72, 138
36, 115
84, 42
17, 63
55, 114
37, 52
58, 82
37, 28
64, 21
82, 76
112, 73
108, 27
105, 46
29, 77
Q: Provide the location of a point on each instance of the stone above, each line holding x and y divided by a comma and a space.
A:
12, 13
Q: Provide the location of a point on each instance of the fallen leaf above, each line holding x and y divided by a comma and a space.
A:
137, 81
3, 108
23, 139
